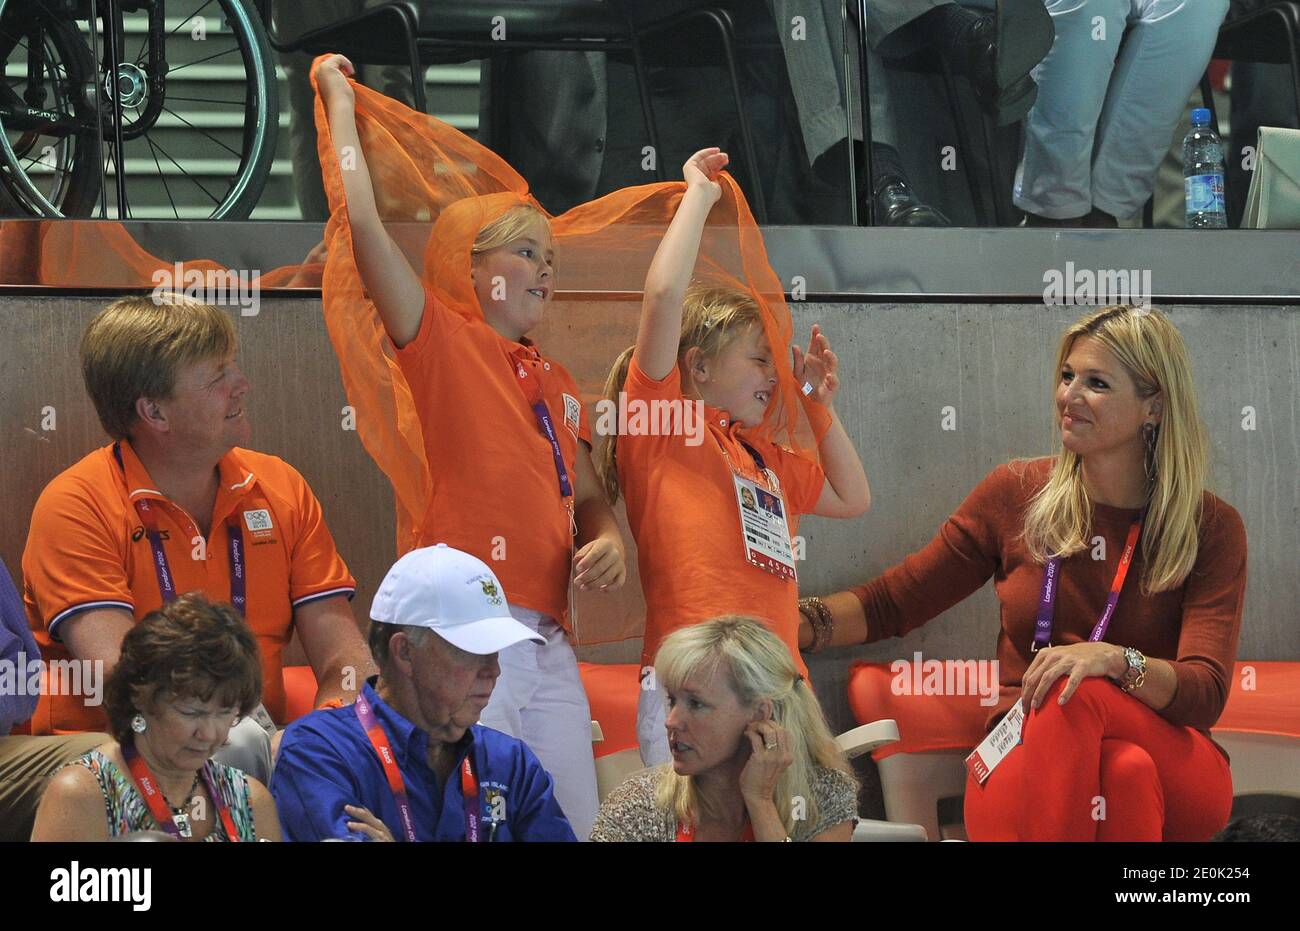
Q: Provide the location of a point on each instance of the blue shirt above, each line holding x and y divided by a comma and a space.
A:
326, 761
18, 654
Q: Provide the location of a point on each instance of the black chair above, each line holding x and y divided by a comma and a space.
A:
864, 105
987, 212
427, 32
1269, 35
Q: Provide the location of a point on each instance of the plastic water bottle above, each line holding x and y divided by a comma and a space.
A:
1203, 175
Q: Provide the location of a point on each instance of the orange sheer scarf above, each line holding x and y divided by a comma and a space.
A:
85, 253
432, 181
80, 253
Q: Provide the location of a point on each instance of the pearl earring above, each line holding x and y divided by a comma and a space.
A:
138, 724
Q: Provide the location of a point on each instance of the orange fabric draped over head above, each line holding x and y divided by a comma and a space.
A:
431, 180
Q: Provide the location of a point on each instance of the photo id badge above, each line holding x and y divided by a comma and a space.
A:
994, 748
762, 521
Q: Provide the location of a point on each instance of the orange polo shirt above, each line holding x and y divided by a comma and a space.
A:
87, 549
496, 490
681, 506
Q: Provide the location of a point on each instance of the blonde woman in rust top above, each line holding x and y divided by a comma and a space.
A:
1119, 705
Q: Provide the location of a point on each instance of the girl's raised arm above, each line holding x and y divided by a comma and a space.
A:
385, 272
674, 262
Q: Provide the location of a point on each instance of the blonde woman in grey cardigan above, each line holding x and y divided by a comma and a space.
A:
753, 759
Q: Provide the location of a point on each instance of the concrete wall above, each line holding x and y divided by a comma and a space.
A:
901, 365
993, 364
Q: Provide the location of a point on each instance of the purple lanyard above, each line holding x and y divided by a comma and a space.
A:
166, 583
1051, 581
238, 580
548, 427
769, 478
532, 390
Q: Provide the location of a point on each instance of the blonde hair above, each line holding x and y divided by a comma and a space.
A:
515, 223
1058, 518
757, 667
712, 318
135, 347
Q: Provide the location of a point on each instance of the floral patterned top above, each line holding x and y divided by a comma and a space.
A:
127, 811
632, 813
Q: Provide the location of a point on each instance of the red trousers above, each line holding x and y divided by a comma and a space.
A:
1102, 767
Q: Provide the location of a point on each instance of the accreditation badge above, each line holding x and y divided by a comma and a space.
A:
764, 528
994, 748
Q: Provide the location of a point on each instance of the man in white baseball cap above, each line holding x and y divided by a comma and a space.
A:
408, 761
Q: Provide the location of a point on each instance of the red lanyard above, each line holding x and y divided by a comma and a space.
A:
686, 833
469, 791
397, 785
153, 797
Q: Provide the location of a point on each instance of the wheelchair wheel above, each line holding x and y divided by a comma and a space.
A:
199, 103
48, 165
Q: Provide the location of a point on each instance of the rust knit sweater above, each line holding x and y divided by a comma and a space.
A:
1194, 626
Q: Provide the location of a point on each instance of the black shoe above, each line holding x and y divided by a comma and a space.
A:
897, 205
1100, 220
1006, 47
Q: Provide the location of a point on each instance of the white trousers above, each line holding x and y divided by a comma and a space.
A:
539, 699
651, 713
1106, 113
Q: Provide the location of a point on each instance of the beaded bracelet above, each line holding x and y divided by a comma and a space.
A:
820, 619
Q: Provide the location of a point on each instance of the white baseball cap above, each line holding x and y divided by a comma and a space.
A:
453, 594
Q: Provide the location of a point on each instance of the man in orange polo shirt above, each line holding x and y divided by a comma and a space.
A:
174, 505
